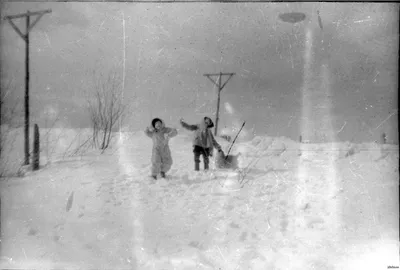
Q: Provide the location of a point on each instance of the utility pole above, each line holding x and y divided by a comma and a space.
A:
25, 37
220, 87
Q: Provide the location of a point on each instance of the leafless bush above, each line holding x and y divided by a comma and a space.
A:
80, 149
243, 172
51, 143
105, 108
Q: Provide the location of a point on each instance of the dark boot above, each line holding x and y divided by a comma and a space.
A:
206, 162
163, 174
205, 166
196, 158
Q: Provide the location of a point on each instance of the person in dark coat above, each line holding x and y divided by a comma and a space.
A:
203, 141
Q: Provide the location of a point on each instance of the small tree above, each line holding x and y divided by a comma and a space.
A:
105, 108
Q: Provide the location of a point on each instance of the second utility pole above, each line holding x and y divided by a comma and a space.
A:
220, 87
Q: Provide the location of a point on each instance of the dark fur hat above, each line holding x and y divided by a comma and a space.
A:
154, 121
211, 125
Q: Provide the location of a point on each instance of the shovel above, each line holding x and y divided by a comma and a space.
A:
235, 140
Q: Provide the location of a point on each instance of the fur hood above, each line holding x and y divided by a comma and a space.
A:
202, 123
153, 122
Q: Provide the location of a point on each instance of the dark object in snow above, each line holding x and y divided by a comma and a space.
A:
226, 162
70, 201
32, 232
350, 152
320, 21
292, 17
226, 137
383, 138
36, 149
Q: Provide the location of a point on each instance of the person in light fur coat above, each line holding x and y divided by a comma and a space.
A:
161, 159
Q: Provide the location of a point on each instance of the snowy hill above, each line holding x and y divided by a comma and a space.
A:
289, 206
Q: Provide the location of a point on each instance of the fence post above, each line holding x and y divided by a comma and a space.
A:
383, 138
299, 150
36, 149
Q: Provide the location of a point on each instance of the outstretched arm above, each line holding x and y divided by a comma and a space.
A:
187, 126
172, 132
149, 132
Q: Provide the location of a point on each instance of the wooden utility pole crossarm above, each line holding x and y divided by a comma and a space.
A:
220, 87
28, 13
25, 37
217, 74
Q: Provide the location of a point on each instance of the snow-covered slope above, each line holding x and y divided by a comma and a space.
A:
289, 206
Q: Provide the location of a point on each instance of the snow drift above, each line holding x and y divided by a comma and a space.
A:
287, 206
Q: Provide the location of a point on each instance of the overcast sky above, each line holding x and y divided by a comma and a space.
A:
168, 48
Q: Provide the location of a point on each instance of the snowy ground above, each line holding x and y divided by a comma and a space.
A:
290, 206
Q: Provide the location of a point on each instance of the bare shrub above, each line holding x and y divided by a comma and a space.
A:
105, 108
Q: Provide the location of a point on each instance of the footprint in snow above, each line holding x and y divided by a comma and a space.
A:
315, 223
195, 244
234, 225
70, 202
219, 194
86, 183
56, 238
284, 223
228, 207
243, 236
32, 232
